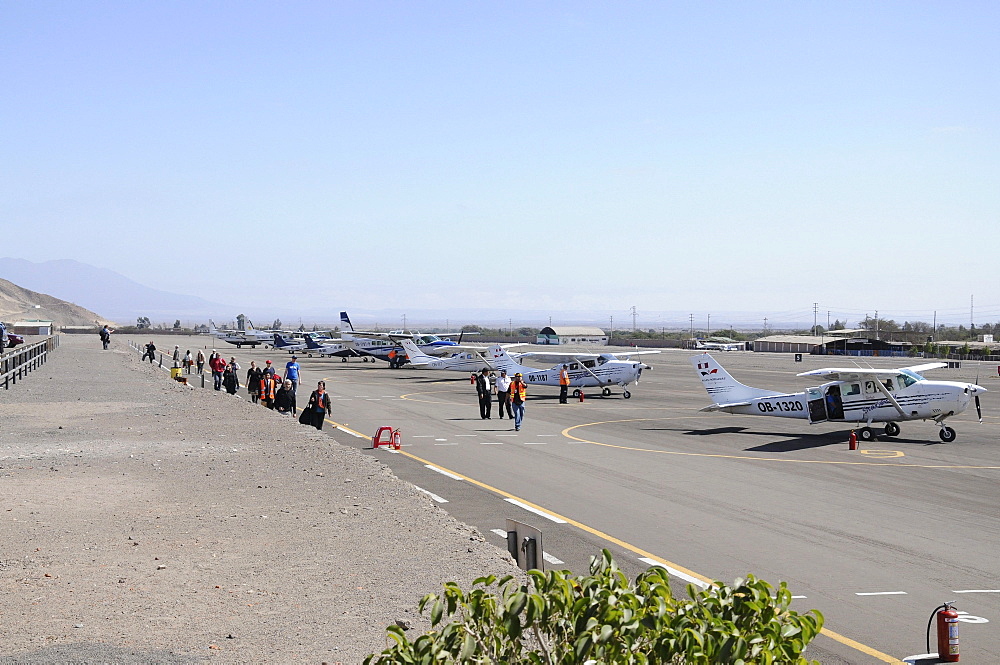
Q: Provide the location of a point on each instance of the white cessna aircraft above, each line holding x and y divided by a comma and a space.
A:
712, 344
463, 361
854, 395
601, 370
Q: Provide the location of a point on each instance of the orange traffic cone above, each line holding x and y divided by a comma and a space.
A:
852, 441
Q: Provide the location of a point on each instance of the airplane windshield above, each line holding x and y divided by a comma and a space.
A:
909, 377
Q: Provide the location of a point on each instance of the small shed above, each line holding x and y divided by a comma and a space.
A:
32, 327
572, 335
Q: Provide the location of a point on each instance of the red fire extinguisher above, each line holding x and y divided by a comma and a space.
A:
947, 633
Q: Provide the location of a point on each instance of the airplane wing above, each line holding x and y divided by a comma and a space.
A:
923, 368
849, 374
560, 357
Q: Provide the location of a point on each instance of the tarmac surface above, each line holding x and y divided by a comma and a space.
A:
874, 538
147, 521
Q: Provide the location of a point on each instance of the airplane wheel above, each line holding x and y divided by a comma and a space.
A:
947, 434
343, 360
626, 394
576, 393
891, 429
866, 434
606, 392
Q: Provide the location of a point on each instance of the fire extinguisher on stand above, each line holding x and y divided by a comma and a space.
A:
947, 632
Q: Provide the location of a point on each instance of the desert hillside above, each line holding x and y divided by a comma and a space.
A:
18, 303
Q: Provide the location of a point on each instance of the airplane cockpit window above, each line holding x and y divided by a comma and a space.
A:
905, 380
909, 377
589, 363
574, 366
888, 385
870, 387
852, 389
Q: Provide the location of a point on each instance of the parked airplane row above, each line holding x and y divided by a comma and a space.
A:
857, 395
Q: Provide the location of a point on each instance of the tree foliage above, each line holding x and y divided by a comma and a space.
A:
562, 618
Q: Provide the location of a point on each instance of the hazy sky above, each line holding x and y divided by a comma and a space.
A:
702, 156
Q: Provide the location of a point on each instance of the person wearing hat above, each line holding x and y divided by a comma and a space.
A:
483, 391
503, 394
292, 373
518, 395
563, 384
268, 369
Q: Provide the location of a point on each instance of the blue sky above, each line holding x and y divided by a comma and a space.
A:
674, 156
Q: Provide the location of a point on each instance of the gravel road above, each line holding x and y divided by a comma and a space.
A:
145, 521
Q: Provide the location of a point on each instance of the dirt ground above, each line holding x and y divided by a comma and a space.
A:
142, 521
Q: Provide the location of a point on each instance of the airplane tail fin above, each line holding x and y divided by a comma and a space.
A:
500, 359
279, 341
721, 386
311, 343
346, 320
413, 352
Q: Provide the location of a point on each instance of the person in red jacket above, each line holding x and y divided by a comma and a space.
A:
218, 365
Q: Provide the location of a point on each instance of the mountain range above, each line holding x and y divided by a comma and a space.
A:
18, 304
116, 296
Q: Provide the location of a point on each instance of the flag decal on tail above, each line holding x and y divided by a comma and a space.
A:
704, 366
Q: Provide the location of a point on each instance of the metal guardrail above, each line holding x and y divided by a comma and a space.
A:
16, 363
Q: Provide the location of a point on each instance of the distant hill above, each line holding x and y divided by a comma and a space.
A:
18, 303
106, 291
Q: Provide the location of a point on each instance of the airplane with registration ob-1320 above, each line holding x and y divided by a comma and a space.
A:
853, 395
586, 370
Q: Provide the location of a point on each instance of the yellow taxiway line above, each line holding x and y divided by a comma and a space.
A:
874, 653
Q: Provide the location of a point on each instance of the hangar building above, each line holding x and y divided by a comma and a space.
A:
572, 335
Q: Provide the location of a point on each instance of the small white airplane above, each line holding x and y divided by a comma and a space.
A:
854, 395
586, 370
237, 337
463, 361
713, 345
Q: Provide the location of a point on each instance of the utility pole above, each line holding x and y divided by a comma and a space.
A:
815, 314
612, 334
691, 318
876, 326
510, 327
404, 323
765, 325
709, 333
633, 319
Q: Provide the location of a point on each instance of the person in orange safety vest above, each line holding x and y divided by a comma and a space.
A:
518, 395
564, 384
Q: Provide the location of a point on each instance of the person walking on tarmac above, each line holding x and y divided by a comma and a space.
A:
564, 384
319, 405
254, 376
106, 335
483, 391
150, 352
518, 395
201, 362
503, 394
217, 364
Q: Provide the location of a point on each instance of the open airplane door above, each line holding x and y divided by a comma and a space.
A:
817, 405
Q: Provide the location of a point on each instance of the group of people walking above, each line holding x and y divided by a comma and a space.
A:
511, 395
264, 384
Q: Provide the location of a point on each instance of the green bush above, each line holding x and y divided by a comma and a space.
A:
562, 618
